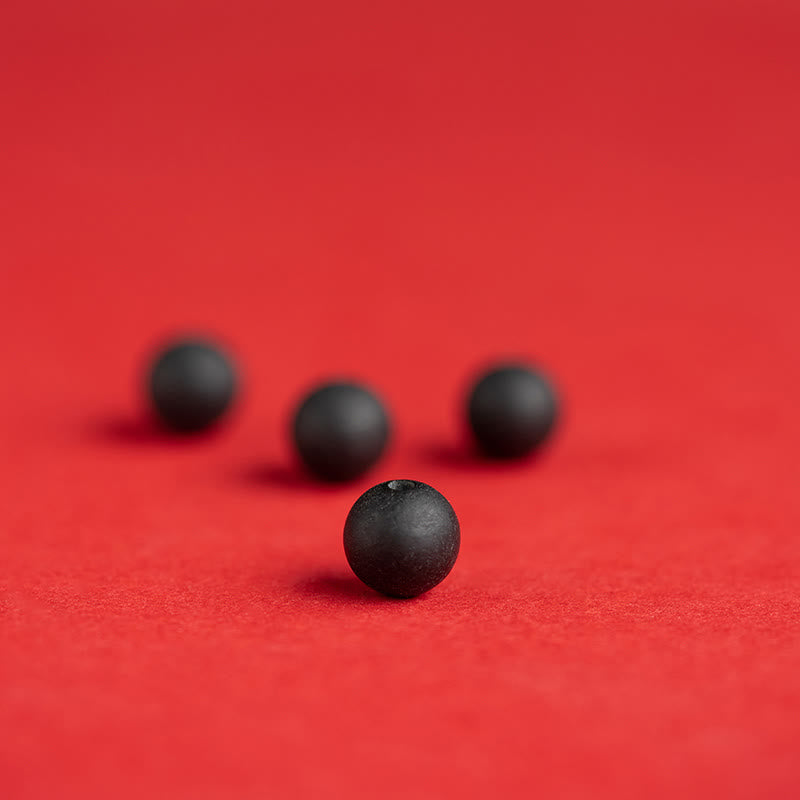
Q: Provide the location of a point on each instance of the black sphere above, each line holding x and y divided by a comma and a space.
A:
340, 430
402, 538
191, 384
511, 411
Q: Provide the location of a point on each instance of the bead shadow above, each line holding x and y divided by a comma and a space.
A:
289, 477
343, 586
144, 431
467, 458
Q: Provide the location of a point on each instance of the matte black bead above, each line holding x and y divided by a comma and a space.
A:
402, 538
340, 430
191, 385
512, 409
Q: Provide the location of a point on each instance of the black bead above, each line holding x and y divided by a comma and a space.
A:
340, 430
191, 384
512, 410
402, 538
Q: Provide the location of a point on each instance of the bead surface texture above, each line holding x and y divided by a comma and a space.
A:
340, 430
191, 384
402, 538
511, 411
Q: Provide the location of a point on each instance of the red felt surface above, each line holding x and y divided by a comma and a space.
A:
400, 193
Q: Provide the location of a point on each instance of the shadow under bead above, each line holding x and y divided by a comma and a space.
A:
191, 384
402, 538
340, 431
511, 411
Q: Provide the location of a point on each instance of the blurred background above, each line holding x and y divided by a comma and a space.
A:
402, 192
598, 184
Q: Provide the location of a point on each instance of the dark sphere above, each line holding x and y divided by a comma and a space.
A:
402, 538
340, 430
512, 410
191, 384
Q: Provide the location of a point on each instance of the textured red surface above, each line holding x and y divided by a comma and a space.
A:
399, 195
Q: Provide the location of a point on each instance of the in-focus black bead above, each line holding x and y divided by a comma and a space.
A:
191, 384
402, 538
512, 409
340, 430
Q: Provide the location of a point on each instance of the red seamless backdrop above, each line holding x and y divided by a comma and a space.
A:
401, 193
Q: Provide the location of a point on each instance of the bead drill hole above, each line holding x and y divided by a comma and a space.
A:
399, 486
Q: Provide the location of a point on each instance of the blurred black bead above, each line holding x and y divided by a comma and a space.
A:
402, 538
340, 430
191, 385
512, 409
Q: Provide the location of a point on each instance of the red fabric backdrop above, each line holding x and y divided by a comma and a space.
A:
400, 192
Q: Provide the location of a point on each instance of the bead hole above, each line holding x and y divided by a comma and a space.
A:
399, 486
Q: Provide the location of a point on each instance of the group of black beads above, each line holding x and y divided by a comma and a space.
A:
401, 537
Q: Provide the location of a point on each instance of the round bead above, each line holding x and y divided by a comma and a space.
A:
340, 430
191, 384
511, 411
402, 538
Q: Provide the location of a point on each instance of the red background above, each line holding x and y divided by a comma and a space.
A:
399, 192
